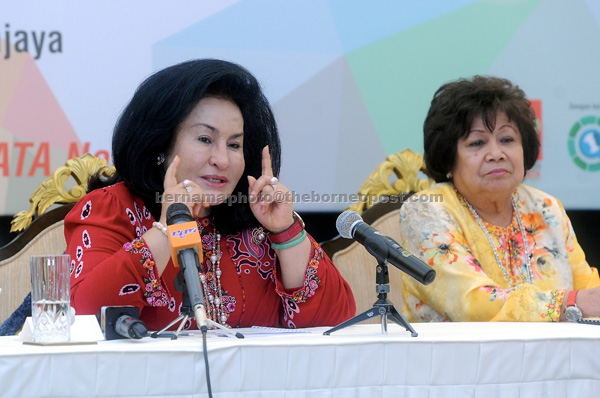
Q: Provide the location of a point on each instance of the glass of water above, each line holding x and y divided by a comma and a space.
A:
50, 298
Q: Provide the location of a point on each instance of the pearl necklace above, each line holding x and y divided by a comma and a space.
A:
214, 301
529, 276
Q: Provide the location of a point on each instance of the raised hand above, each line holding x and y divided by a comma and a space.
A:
186, 192
270, 201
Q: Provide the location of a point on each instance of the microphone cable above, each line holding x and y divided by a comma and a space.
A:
186, 244
206, 368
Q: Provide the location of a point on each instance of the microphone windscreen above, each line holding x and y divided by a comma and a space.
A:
182, 231
346, 221
178, 213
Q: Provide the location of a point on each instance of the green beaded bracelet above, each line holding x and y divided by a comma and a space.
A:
292, 243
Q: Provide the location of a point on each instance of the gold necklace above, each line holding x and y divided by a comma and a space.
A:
529, 273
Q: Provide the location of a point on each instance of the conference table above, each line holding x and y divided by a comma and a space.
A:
444, 360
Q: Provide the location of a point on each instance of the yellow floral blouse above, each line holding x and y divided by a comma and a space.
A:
469, 286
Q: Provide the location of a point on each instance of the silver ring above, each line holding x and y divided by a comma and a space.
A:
188, 188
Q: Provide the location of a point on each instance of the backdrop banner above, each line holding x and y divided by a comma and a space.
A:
350, 81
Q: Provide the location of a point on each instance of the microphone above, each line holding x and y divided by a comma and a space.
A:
121, 322
350, 225
186, 246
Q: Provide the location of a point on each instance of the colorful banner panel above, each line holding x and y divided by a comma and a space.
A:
350, 81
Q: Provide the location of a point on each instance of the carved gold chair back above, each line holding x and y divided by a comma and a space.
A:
379, 204
42, 227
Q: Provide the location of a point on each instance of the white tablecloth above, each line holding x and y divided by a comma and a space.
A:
445, 360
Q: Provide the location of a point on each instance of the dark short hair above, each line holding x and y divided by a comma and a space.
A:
147, 126
454, 107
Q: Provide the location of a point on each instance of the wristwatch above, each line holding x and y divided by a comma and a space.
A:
573, 313
293, 230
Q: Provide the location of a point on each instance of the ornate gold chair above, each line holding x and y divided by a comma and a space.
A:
379, 205
42, 229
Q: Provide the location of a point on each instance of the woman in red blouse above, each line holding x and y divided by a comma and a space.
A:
201, 133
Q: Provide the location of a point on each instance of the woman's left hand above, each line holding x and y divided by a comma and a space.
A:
270, 201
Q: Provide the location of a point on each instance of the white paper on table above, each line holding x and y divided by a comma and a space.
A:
85, 330
260, 331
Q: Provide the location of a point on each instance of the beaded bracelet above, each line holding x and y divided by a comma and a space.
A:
161, 228
292, 243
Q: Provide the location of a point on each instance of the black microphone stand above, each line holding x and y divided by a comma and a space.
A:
382, 307
187, 312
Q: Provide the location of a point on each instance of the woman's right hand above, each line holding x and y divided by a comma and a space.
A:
186, 192
174, 192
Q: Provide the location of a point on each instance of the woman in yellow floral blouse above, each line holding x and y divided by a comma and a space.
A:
502, 251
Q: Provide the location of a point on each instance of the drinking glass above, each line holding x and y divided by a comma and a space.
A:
50, 298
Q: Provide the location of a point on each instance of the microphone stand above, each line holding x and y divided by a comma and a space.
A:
187, 312
382, 307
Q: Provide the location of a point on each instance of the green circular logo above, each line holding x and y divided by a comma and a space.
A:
584, 143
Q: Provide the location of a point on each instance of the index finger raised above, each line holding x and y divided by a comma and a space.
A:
267, 168
171, 174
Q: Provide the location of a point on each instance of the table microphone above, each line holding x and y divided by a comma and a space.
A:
186, 246
121, 322
350, 225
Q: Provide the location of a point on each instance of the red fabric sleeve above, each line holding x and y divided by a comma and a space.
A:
110, 263
324, 299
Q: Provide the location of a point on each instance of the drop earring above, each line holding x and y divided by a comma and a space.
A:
160, 159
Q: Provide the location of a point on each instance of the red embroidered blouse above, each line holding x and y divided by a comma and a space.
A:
111, 265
